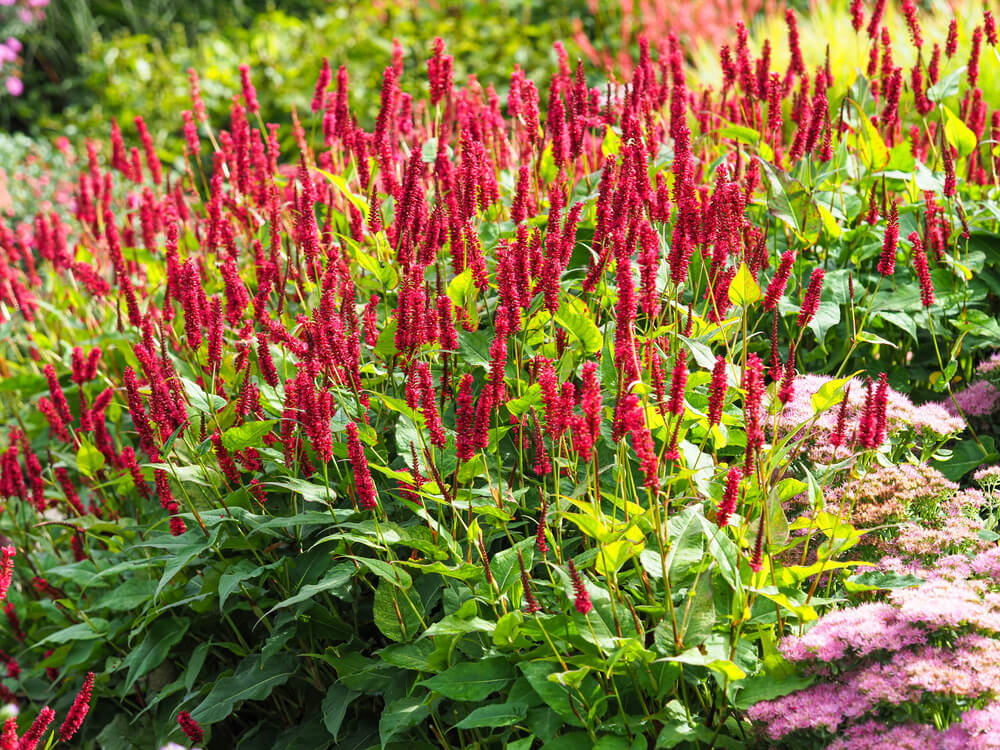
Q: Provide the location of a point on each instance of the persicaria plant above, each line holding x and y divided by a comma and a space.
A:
576, 415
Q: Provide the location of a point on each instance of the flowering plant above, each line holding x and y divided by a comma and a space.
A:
485, 426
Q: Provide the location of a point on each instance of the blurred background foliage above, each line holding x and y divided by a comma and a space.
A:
93, 59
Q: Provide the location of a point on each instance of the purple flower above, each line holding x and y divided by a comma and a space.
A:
14, 86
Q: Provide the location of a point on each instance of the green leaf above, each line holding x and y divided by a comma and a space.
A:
612, 142
85, 631
555, 695
401, 715
765, 687
149, 654
252, 681
946, 87
790, 203
89, 460
740, 133
958, 133
235, 575
387, 572
394, 612
867, 140
744, 289
335, 704
247, 435
494, 715
428, 152
698, 612
131, 593
829, 394
30, 384
338, 577
471, 681
581, 326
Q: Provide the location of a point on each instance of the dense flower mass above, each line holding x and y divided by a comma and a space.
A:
563, 410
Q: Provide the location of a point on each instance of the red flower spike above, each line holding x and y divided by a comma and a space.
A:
923, 272
811, 302
531, 605
887, 262
677, 383
787, 387
951, 46
540, 542
837, 438
78, 711
757, 561
8, 741
364, 486
582, 602
34, 734
972, 73
730, 497
190, 727
776, 288
717, 391
7, 554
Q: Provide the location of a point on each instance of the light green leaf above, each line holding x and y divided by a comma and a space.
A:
247, 435
958, 133
89, 460
744, 289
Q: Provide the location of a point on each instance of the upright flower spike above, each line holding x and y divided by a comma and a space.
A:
34, 734
923, 272
677, 383
837, 438
730, 497
776, 288
753, 387
192, 730
540, 541
887, 261
582, 602
7, 554
8, 741
717, 391
811, 301
757, 560
531, 605
78, 711
363, 483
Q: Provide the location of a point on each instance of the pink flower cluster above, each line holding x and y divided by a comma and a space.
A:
889, 493
980, 399
928, 646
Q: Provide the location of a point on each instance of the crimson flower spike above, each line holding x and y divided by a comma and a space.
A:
78, 711
190, 727
582, 601
730, 497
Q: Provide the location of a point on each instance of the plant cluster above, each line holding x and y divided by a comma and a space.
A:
512, 421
